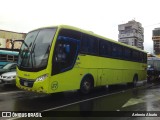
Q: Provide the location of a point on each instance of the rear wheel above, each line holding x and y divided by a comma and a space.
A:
135, 80
86, 85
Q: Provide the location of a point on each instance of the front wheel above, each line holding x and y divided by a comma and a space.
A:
86, 86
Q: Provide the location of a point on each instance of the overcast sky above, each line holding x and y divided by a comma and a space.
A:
100, 16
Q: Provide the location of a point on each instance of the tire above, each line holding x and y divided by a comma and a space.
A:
135, 80
86, 85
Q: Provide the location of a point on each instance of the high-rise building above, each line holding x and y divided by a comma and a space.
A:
156, 40
131, 33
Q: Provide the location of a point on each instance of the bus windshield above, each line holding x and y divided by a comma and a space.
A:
35, 49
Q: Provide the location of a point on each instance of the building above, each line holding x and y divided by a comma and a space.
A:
156, 41
7, 36
131, 33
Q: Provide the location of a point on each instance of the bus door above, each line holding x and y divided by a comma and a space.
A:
65, 55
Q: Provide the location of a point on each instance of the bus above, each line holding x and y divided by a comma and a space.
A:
63, 58
7, 56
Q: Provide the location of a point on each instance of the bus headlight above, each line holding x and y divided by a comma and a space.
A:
41, 78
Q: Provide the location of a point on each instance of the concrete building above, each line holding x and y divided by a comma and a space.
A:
7, 36
131, 33
156, 41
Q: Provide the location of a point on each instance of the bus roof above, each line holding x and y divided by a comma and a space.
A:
8, 52
93, 34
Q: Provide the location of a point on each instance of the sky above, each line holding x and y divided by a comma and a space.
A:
99, 16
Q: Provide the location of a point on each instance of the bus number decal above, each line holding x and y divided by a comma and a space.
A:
54, 85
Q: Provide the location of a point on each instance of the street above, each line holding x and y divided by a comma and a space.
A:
103, 102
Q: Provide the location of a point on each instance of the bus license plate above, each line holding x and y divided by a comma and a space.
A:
25, 84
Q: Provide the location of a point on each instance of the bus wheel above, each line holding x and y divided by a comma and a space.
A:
135, 80
86, 85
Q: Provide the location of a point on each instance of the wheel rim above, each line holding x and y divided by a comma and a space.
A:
86, 86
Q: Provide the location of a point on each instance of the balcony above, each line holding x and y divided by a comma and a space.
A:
128, 35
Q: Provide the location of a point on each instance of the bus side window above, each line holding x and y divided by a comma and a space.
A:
127, 53
104, 48
120, 52
114, 50
144, 58
3, 57
10, 58
66, 51
15, 58
89, 45
141, 57
135, 55
62, 52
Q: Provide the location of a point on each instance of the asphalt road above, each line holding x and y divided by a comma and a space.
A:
117, 102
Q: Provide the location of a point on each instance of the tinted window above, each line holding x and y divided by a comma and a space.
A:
15, 58
127, 53
104, 48
10, 58
70, 33
13, 66
144, 57
135, 55
120, 51
3, 57
117, 51
114, 50
66, 51
141, 57
89, 44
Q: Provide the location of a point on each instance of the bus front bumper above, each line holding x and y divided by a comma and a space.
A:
31, 85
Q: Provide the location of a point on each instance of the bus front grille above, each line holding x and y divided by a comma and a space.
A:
26, 82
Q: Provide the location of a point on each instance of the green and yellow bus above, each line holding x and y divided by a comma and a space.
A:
63, 58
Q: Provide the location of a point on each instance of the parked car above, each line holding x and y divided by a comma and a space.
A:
8, 68
8, 78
